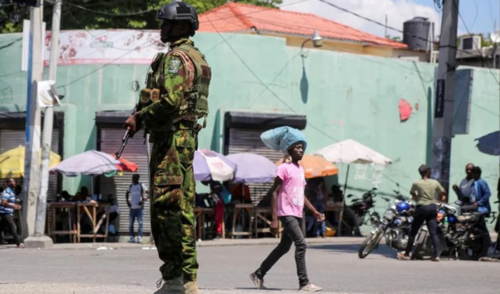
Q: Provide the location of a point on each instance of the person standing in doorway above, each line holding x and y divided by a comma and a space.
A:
423, 192
136, 205
287, 206
7, 207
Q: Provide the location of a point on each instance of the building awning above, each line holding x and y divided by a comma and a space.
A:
259, 120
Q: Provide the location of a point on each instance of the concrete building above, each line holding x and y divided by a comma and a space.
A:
260, 82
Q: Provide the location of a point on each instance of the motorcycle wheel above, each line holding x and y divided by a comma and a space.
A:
370, 242
473, 247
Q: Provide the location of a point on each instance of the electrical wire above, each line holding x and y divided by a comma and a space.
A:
480, 54
286, 104
10, 44
107, 13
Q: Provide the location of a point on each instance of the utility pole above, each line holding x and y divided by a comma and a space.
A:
445, 94
41, 240
31, 165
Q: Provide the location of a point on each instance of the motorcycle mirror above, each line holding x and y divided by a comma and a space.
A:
458, 202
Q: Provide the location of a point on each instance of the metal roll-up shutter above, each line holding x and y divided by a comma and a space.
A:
136, 152
248, 141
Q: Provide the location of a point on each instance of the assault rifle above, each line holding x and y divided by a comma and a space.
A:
118, 153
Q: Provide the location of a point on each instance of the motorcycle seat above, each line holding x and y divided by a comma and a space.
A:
468, 218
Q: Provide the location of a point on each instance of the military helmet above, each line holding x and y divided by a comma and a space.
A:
178, 11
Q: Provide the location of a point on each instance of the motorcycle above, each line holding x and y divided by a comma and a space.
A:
363, 208
395, 225
459, 233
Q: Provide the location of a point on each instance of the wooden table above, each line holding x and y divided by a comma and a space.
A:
199, 214
90, 209
238, 208
262, 213
336, 207
70, 206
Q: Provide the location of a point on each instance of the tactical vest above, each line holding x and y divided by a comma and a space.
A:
195, 101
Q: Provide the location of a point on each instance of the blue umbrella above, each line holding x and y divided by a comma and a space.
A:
489, 144
253, 168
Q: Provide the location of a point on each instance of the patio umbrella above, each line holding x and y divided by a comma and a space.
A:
126, 166
210, 165
350, 151
316, 166
489, 143
12, 162
90, 163
252, 168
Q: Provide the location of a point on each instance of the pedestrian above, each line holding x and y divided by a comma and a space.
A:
7, 207
136, 206
423, 192
464, 190
319, 196
287, 206
221, 196
182, 79
481, 193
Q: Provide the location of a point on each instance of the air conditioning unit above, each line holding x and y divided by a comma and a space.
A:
470, 43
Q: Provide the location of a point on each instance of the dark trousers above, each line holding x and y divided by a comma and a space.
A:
486, 245
428, 214
6, 220
292, 233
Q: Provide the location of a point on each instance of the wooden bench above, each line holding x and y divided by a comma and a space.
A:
238, 208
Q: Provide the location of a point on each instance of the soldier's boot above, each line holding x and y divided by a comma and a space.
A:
174, 286
191, 288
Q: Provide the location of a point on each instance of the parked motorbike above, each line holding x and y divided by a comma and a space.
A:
459, 233
363, 208
395, 225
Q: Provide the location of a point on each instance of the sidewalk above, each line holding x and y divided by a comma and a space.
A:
199, 243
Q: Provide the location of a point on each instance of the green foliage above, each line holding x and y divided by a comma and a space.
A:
73, 17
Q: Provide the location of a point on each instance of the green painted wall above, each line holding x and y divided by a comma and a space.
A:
343, 95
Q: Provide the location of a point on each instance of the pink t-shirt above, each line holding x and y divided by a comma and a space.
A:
291, 195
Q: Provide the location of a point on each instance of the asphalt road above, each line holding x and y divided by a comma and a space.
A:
225, 270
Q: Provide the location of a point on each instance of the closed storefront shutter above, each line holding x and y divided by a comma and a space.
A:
136, 152
248, 141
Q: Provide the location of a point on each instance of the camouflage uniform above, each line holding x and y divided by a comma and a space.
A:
183, 77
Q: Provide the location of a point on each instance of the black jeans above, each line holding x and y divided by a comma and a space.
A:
486, 245
292, 233
428, 214
6, 220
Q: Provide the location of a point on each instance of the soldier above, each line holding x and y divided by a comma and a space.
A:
177, 92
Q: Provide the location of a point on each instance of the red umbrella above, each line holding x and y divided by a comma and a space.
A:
126, 166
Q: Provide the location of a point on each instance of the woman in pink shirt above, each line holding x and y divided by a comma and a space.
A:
287, 206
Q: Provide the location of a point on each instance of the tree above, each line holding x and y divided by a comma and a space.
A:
98, 14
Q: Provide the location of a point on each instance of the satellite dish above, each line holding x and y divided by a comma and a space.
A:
495, 37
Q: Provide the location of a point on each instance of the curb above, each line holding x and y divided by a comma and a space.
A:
218, 243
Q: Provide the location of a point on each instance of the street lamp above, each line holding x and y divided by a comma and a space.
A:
317, 42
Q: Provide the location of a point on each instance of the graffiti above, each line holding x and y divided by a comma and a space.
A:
376, 176
369, 172
360, 172
440, 170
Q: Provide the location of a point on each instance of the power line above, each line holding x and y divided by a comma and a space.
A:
284, 102
480, 54
383, 25
107, 13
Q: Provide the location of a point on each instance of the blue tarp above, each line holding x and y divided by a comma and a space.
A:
282, 138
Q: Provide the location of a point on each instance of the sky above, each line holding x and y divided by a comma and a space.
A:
478, 16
